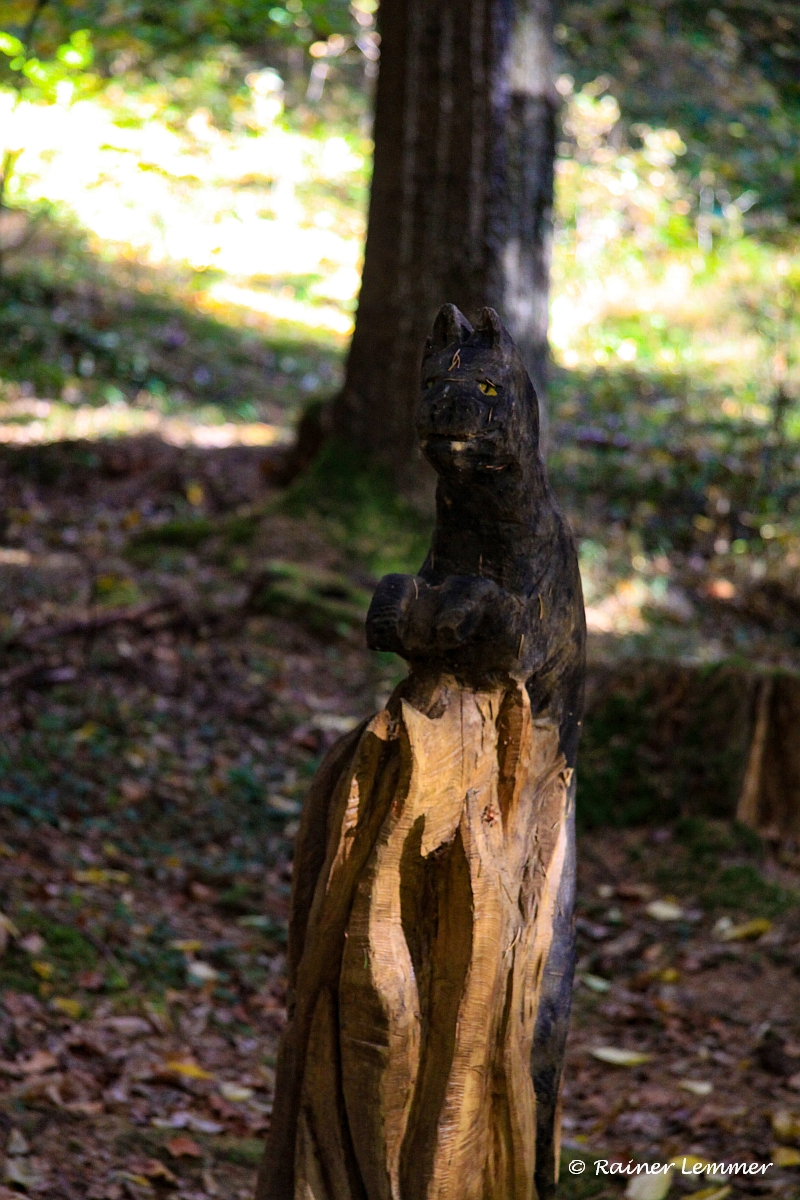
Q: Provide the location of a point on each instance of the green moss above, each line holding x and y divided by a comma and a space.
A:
245, 1152
743, 889
661, 742
615, 786
241, 530
326, 601
187, 533
66, 952
717, 862
361, 510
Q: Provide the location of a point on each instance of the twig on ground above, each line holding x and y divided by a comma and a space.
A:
92, 621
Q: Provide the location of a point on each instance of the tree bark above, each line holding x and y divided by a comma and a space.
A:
461, 202
430, 942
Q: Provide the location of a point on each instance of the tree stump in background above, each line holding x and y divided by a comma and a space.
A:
769, 801
430, 943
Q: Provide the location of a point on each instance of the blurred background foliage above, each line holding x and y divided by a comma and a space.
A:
184, 218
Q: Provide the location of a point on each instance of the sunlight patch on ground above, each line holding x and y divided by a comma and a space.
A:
235, 203
282, 308
33, 422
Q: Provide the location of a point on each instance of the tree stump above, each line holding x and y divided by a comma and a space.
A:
430, 942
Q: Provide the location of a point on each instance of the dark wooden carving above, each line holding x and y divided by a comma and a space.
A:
431, 945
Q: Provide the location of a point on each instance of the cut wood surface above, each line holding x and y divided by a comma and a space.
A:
431, 944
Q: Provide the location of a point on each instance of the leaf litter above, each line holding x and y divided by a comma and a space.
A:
691, 1049
152, 769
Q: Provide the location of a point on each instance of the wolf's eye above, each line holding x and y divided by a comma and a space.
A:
487, 387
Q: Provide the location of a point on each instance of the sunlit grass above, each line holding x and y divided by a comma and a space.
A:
25, 422
199, 197
257, 228
652, 273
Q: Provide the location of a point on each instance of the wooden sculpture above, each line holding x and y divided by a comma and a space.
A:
431, 944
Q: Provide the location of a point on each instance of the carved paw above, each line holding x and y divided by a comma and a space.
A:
464, 602
389, 612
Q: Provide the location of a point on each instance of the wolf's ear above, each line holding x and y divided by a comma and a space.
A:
451, 327
494, 332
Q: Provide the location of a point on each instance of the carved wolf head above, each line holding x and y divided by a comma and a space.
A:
479, 411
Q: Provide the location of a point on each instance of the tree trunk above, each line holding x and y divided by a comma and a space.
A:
461, 202
430, 942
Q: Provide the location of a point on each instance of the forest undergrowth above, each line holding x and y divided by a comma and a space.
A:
184, 641
182, 637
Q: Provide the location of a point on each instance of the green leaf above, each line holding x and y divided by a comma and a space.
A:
77, 52
10, 45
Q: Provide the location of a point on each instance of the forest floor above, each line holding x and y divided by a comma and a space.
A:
179, 651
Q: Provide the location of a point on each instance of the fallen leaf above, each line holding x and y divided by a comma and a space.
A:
153, 1168
16, 1143
89, 1108
596, 983
187, 1069
41, 1087
700, 1087
334, 723
746, 931
188, 946
39, 1062
720, 589
159, 1020
43, 969
139, 1181
201, 892
100, 876
633, 891
7, 924
664, 910
92, 981
627, 944
235, 1092
619, 1057
649, 1186
786, 1156
129, 1026
183, 1146
30, 1173
133, 791
710, 1193
67, 1006
32, 943
86, 732
203, 1125
786, 1125
202, 971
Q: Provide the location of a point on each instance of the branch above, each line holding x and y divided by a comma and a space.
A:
92, 622
34, 17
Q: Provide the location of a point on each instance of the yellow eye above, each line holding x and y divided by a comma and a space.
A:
487, 387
